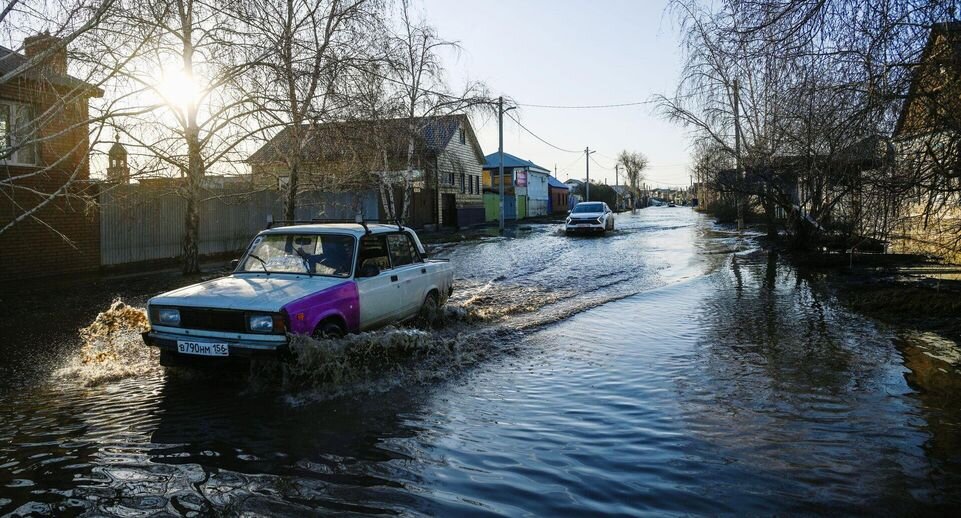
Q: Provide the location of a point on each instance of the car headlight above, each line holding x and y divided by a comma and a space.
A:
599, 218
260, 323
168, 317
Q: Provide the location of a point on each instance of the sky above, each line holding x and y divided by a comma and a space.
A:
573, 53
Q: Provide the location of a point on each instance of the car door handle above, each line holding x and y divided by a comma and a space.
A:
393, 278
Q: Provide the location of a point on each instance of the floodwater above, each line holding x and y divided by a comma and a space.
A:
667, 368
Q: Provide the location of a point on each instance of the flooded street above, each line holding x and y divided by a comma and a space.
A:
669, 367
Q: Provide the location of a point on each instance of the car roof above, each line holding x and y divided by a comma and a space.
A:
352, 229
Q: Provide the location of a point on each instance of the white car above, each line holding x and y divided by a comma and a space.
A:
314, 279
590, 216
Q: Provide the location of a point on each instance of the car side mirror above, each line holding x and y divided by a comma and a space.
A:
234, 263
369, 270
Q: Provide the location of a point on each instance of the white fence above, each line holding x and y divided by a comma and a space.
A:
144, 224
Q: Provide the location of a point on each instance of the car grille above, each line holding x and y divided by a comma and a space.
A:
584, 220
213, 320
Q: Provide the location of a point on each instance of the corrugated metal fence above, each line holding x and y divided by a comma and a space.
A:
141, 224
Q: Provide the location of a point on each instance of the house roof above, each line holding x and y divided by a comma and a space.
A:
554, 182
952, 35
432, 135
11, 60
511, 161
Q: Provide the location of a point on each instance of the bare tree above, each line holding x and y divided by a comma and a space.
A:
194, 47
303, 47
416, 71
53, 111
795, 93
634, 163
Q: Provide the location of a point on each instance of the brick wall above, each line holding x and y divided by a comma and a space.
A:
31, 249
65, 240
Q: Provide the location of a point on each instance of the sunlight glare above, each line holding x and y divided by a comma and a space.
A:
179, 90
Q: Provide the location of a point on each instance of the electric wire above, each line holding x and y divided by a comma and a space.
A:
583, 107
539, 138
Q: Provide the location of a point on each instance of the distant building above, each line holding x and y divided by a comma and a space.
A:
118, 171
560, 196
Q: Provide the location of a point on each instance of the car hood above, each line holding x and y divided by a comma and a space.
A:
248, 291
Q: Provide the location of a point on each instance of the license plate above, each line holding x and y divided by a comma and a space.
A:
202, 348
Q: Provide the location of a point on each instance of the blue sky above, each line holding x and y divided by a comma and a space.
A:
572, 53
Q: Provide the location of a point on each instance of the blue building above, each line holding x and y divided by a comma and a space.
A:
525, 184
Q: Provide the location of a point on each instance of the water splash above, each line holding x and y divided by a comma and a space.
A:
112, 348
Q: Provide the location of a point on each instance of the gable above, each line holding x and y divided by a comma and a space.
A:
452, 139
933, 96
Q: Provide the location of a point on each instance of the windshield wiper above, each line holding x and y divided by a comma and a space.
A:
263, 264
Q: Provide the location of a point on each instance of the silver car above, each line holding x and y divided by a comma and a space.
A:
590, 216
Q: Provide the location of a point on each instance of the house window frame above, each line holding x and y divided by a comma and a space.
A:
12, 111
462, 136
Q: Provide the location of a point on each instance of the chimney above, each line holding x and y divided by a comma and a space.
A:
37, 44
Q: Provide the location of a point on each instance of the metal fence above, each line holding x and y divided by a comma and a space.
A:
143, 224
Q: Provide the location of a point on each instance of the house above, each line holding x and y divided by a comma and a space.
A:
560, 196
525, 182
625, 198
45, 164
927, 139
443, 167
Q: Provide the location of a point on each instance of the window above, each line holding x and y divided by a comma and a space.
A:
450, 178
462, 136
321, 254
17, 134
373, 251
463, 185
402, 251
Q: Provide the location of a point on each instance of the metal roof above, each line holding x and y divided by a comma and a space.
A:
334, 140
511, 161
554, 182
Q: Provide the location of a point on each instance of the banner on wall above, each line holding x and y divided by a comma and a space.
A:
521, 180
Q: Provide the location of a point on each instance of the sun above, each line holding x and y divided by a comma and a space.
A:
179, 90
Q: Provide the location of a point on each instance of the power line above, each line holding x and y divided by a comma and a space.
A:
539, 138
583, 107
598, 164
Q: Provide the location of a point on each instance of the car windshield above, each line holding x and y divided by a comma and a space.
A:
314, 254
588, 207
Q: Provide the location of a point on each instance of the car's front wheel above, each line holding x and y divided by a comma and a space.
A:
329, 329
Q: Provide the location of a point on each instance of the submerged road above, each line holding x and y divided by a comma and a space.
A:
666, 368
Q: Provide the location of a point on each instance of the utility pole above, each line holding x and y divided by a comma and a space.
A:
739, 194
500, 154
587, 163
617, 195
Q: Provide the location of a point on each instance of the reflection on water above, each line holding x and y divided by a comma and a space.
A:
666, 368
